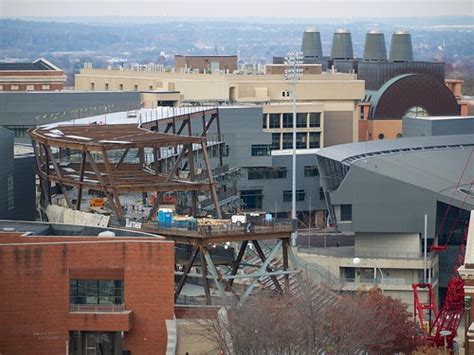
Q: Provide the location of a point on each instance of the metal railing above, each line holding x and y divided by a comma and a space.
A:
97, 308
385, 281
350, 252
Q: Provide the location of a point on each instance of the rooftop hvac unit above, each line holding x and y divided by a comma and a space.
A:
401, 49
374, 48
342, 45
311, 44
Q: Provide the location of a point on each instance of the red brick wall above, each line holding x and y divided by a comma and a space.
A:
34, 297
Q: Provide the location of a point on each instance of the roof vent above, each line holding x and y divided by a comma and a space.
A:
374, 48
311, 44
342, 45
401, 49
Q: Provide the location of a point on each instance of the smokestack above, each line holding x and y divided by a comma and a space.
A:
311, 45
374, 48
401, 49
342, 45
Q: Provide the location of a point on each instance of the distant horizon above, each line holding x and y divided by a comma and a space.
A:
235, 9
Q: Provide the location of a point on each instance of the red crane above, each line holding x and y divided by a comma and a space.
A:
449, 316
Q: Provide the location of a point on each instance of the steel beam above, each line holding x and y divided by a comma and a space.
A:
188, 266
261, 254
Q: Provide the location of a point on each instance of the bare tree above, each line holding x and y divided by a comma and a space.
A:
315, 319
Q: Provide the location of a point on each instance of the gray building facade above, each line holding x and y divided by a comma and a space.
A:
20, 111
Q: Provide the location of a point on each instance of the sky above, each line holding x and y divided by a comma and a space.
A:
218, 9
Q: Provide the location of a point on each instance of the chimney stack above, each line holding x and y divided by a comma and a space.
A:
311, 45
374, 47
401, 49
342, 45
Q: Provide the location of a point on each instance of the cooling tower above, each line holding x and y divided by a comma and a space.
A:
342, 45
311, 44
374, 48
400, 48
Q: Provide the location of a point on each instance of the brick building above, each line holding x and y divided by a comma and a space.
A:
203, 63
67, 290
39, 75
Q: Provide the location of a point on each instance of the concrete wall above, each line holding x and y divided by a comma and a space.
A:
338, 127
419, 127
390, 242
34, 279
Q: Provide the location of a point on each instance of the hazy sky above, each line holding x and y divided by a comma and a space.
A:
238, 8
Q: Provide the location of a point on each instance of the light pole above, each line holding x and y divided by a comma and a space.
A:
293, 73
445, 334
357, 261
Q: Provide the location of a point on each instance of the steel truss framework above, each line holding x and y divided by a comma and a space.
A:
83, 159
269, 266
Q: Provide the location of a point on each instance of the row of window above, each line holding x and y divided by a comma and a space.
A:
261, 173
304, 140
25, 87
285, 120
107, 87
96, 292
253, 199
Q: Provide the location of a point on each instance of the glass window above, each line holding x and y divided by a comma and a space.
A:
274, 120
45, 87
287, 140
121, 87
261, 150
106, 86
301, 140
321, 194
96, 292
416, 111
266, 173
252, 199
314, 139
299, 195
264, 121
315, 119
311, 170
287, 120
275, 141
346, 212
301, 120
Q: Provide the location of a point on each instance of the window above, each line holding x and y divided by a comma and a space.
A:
287, 120
225, 152
314, 139
92, 86
14, 87
301, 120
266, 173
287, 140
311, 170
274, 120
135, 87
299, 195
399, 135
315, 119
44, 87
381, 136
150, 87
346, 212
19, 131
261, 150
264, 121
285, 93
121, 87
1, 87
301, 140
321, 194
30, 87
106, 86
96, 292
416, 111
252, 199
275, 141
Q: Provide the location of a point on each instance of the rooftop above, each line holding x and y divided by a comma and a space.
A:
38, 64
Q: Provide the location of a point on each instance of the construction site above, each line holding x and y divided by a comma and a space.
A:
144, 177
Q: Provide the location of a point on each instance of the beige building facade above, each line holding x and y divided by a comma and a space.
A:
327, 103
